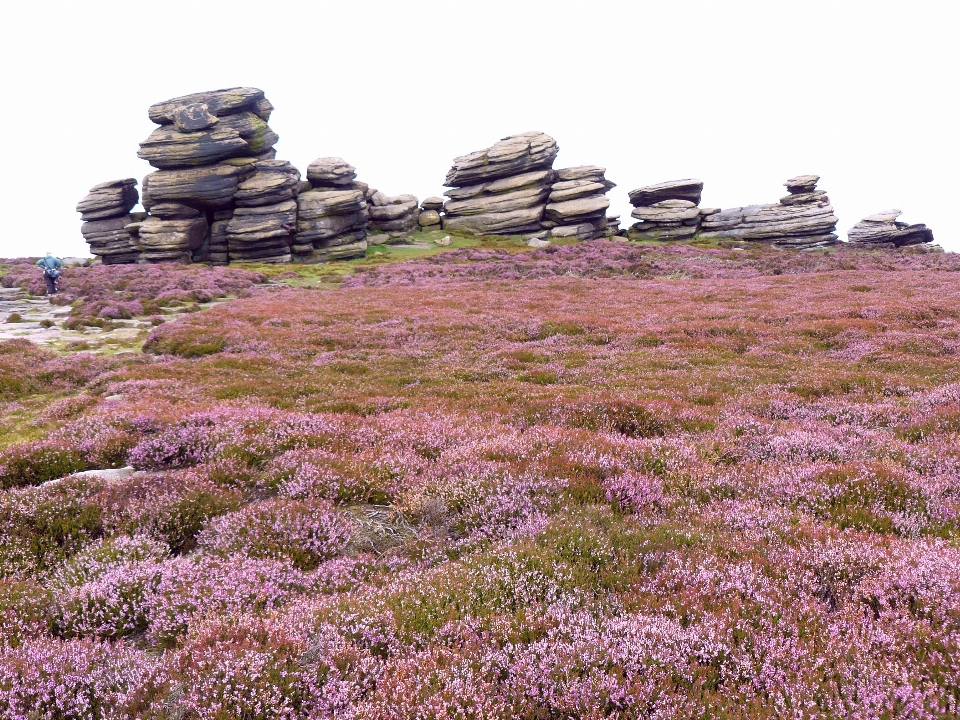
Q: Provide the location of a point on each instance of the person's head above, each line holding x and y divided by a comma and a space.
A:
49, 254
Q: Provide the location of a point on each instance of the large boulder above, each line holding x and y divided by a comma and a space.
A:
109, 199
211, 187
263, 233
274, 181
883, 229
512, 155
330, 172
168, 147
219, 103
171, 240
688, 189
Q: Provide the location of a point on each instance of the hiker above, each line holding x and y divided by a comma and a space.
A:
51, 267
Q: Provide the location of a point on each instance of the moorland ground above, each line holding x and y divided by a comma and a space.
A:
596, 480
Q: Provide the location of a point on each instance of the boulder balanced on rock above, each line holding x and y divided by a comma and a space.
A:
803, 220
667, 211
105, 213
882, 229
332, 213
576, 205
503, 189
430, 209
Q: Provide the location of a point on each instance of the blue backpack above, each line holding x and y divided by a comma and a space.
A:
51, 272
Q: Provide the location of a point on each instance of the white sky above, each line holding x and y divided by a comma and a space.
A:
741, 95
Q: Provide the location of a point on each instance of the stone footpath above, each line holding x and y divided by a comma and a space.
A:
36, 310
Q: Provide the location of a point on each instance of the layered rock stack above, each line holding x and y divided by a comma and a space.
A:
883, 230
430, 209
332, 213
207, 146
502, 190
667, 211
264, 224
105, 213
397, 217
802, 220
577, 204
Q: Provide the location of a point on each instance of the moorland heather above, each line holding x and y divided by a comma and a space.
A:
589, 481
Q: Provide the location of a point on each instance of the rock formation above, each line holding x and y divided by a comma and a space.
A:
667, 211
105, 213
332, 213
802, 220
216, 175
264, 223
503, 189
430, 209
397, 217
576, 205
883, 229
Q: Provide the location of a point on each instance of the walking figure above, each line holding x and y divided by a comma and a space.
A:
51, 267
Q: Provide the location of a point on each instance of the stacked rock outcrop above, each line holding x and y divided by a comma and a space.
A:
802, 220
667, 211
577, 204
264, 223
430, 209
212, 153
105, 213
332, 213
503, 189
396, 217
882, 229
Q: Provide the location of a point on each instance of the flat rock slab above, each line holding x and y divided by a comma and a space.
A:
513, 155
688, 189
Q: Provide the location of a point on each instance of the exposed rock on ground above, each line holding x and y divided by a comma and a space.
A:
106, 213
667, 211
430, 210
332, 213
802, 220
882, 229
264, 224
397, 216
503, 189
576, 205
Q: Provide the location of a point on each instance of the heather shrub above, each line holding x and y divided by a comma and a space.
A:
635, 420
202, 584
72, 680
34, 464
176, 446
42, 526
170, 507
305, 533
316, 473
103, 590
633, 492
24, 610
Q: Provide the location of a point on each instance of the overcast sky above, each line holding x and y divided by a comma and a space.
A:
741, 95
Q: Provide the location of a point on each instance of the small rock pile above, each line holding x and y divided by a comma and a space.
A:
577, 204
667, 211
397, 217
105, 213
429, 219
502, 190
332, 213
883, 230
802, 220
